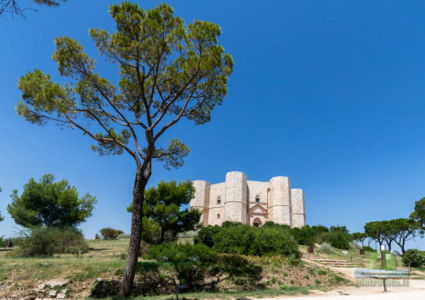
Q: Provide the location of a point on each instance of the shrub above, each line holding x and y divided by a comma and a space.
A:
337, 239
244, 239
368, 248
206, 234
48, 241
197, 267
273, 241
326, 248
304, 235
414, 258
3, 242
123, 236
110, 233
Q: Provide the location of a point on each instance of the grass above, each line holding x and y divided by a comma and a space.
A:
289, 291
103, 257
106, 259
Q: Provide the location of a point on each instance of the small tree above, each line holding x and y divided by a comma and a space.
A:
404, 229
359, 237
168, 72
110, 233
163, 207
374, 230
49, 203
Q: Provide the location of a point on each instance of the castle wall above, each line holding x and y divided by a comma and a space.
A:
277, 201
216, 211
280, 201
298, 210
258, 211
201, 199
235, 203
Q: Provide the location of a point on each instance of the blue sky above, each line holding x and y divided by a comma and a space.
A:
329, 93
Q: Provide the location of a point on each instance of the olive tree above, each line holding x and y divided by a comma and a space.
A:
168, 71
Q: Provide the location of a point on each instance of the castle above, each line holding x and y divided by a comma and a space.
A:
249, 202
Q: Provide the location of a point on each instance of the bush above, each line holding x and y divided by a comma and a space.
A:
368, 248
326, 248
206, 234
304, 235
197, 267
337, 239
3, 242
247, 240
48, 241
414, 258
110, 233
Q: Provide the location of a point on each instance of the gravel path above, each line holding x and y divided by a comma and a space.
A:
416, 291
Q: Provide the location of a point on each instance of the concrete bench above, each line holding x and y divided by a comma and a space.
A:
374, 277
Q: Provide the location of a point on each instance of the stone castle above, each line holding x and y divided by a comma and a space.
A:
249, 202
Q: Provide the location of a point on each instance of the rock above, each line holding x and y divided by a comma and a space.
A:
56, 283
61, 296
53, 293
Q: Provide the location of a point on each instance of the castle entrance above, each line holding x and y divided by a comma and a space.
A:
257, 222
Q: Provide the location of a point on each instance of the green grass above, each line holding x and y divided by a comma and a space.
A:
290, 291
393, 262
103, 257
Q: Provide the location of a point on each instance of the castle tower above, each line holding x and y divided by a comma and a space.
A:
280, 200
298, 208
202, 199
235, 201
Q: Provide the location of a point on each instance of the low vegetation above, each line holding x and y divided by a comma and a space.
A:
47, 241
237, 274
110, 233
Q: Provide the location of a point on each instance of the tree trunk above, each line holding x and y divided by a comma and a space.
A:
142, 178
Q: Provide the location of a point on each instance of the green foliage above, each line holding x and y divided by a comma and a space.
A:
244, 239
368, 248
338, 239
206, 235
3, 241
197, 267
46, 241
389, 231
414, 258
110, 233
359, 237
304, 235
168, 71
50, 203
419, 212
163, 213
326, 248
338, 228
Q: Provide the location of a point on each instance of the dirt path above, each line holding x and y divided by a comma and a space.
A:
416, 291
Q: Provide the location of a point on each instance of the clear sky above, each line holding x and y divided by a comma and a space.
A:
329, 93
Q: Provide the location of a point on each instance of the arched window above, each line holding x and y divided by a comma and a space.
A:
218, 200
218, 216
257, 198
